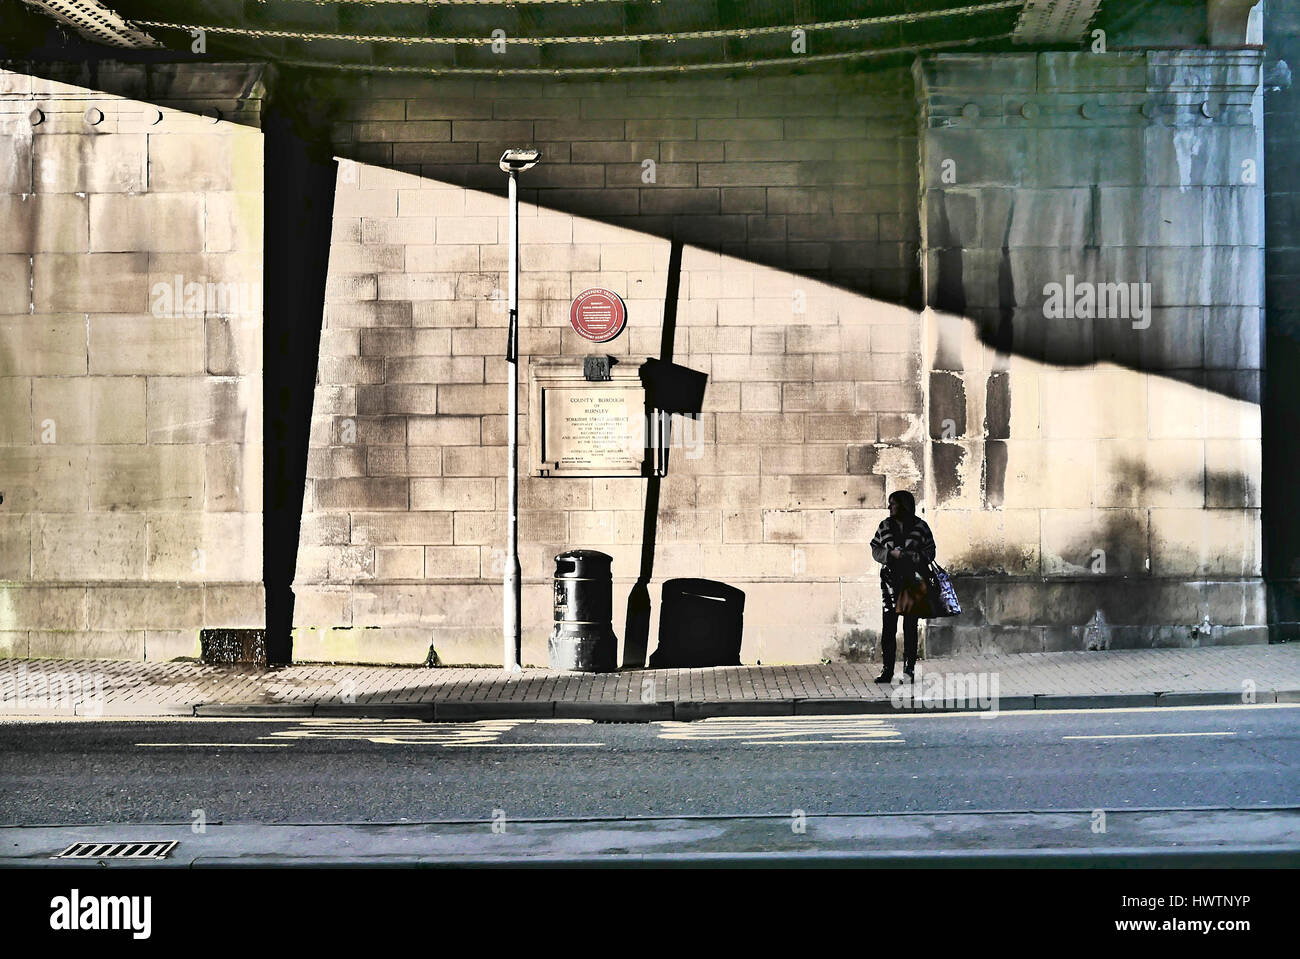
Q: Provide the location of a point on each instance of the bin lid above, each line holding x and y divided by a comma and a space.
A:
581, 559
704, 588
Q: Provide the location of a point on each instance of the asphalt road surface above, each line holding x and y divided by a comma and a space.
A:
399, 771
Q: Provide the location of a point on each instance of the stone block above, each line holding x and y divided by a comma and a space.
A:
157, 606
90, 409
1088, 72
90, 283
44, 477
48, 607
1150, 473
1233, 473
1210, 276
146, 478
233, 478
1105, 156
232, 222
369, 493
163, 645
1083, 542
452, 562
40, 223
15, 411
99, 644
1004, 542
205, 162
126, 344
162, 222
1185, 156
415, 527
1081, 404
980, 157
16, 165
452, 494
202, 410
1049, 474
198, 547
234, 346
92, 164
88, 546
1205, 542
1233, 338
15, 548
42, 345
14, 644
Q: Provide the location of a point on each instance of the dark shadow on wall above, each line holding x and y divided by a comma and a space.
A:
1281, 411
299, 187
636, 632
1002, 291
299, 209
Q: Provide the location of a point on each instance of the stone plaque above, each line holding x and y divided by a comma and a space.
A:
578, 427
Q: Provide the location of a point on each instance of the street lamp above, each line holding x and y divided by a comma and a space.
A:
513, 162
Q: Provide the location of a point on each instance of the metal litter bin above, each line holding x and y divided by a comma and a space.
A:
700, 624
583, 638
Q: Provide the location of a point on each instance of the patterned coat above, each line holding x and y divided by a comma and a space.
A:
917, 544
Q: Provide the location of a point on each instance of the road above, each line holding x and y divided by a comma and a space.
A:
358, 771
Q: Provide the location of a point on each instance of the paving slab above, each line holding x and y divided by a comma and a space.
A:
104, 689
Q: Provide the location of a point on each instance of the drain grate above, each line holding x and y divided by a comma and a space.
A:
117, 850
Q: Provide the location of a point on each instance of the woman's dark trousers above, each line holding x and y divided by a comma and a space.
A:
889, 642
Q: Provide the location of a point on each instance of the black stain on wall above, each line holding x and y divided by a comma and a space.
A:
997, 406
947, 405
995, 473
945, 464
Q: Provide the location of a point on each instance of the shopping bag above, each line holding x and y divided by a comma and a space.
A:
942, 597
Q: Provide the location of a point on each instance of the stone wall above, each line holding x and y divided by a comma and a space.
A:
1093, 483
130, 338
794, 198
1095, 472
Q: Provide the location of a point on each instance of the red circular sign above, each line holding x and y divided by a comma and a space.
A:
598, 315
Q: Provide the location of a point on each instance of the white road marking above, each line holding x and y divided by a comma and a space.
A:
783, 730
415, 732
513, 745
805, 742
222, 745
1146, 735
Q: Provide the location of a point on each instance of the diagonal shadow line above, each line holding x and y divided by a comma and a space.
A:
636, 631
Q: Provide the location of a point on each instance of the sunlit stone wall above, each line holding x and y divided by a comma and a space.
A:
130, 362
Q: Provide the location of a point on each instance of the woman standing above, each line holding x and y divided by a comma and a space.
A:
904, 547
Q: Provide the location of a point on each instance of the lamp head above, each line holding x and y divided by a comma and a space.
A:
512, 161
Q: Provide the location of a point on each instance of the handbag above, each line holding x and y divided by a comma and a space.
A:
913, 599
942, 598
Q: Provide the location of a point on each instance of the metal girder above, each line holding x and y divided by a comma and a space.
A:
96, 22
1054, 21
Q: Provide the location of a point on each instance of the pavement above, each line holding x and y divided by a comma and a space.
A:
50, 688
1152, 838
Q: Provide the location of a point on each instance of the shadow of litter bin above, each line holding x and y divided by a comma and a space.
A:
700, 624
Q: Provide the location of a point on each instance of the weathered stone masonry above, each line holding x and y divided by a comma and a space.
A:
1099, 475
869, 317
794, 198
130, 420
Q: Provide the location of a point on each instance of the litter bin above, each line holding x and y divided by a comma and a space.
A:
700, 624
583, 638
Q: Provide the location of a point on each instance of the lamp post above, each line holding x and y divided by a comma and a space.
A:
513, 162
